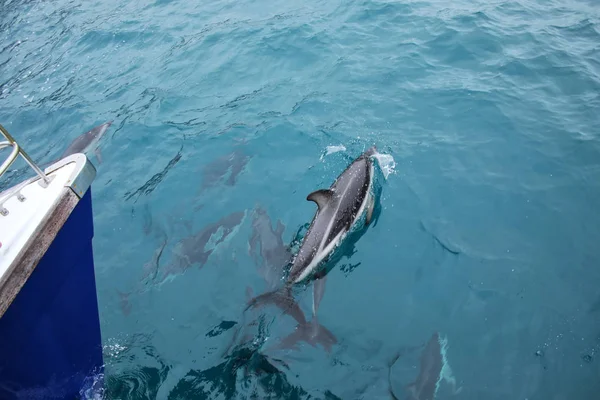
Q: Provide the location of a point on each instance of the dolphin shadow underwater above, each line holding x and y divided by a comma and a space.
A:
344, 212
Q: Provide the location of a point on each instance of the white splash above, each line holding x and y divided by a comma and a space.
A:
333, 149
446, 372
93, 387
386, 163
114, 349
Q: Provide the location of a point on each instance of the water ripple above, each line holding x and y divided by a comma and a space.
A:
489, 225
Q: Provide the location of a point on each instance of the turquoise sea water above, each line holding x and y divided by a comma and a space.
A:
489, 227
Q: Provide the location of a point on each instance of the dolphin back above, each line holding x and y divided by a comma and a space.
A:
77, 146
82, 142
351, 190
338, 209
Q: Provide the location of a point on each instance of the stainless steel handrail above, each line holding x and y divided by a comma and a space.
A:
11, 142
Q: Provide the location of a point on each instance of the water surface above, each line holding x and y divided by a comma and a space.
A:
489, 228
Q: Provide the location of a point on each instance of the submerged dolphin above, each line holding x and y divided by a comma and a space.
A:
346, 207
88, 141
196, 249
189, 251
232, 164
433, 370
272, 255
267, 248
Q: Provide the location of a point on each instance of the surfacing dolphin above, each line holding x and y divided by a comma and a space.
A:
84, 143
346, 207
88, 141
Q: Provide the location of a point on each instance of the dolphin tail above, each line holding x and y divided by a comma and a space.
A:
283, 299
312, 333
322, 335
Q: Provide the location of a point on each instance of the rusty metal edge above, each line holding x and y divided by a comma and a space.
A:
35, 248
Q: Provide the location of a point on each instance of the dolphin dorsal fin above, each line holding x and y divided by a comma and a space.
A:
321, 197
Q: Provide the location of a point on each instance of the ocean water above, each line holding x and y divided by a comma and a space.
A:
489, 224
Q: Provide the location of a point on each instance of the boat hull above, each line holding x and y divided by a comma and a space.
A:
50, 340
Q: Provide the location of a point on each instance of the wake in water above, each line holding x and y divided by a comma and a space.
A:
386, 161
93, 387
332, 149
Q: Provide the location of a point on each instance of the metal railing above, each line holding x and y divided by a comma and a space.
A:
16, 150
11, 142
